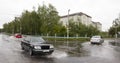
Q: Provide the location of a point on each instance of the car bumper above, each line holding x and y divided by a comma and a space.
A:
48, 51
96, 42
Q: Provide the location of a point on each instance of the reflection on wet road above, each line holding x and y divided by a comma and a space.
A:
11, 53
105, 50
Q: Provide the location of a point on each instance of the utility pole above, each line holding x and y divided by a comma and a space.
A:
68, 28
68, 25
115, 26
20, 27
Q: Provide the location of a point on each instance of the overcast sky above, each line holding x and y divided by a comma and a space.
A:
104, 11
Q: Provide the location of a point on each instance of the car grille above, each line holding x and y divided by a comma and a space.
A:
45, 47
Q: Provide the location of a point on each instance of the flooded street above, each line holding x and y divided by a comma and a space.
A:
85, 53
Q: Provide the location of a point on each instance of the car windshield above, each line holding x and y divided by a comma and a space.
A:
35, 39
96, 37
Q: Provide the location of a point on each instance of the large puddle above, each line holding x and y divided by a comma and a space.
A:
77, 49
72, 48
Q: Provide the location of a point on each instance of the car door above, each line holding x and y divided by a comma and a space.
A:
23, 44
27, 45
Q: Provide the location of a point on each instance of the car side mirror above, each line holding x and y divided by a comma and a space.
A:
26, 41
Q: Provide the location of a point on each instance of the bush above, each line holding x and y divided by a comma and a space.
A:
67, 39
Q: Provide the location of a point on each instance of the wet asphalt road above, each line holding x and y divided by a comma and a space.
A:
10, 52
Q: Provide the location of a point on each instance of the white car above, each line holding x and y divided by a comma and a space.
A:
96, 40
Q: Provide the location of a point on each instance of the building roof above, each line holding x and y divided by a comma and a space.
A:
79, 13
96, 23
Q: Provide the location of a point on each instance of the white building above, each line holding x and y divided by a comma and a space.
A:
97, 25
79, 17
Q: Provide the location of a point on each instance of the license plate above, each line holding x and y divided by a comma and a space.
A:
45, 50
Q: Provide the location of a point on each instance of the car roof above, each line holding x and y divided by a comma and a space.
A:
34, 37
96, 36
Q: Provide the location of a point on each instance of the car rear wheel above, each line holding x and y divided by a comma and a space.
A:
92, 43
30, 52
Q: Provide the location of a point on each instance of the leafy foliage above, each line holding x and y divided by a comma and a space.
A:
79, 29
45, 21
114, 30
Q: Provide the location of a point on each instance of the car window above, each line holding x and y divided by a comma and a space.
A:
35, 39
96, 37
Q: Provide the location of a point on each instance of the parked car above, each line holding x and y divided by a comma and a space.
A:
36, 45
96, 40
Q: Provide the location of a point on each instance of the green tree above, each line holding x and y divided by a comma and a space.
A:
43, 21
49, 19
77, 28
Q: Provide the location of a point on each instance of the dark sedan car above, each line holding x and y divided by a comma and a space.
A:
36, 45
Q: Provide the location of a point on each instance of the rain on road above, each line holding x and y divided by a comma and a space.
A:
10, 52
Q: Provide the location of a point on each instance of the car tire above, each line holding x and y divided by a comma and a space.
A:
22, 48
30, 52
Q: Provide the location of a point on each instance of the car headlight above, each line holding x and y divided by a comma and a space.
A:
37, 47
51, 46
